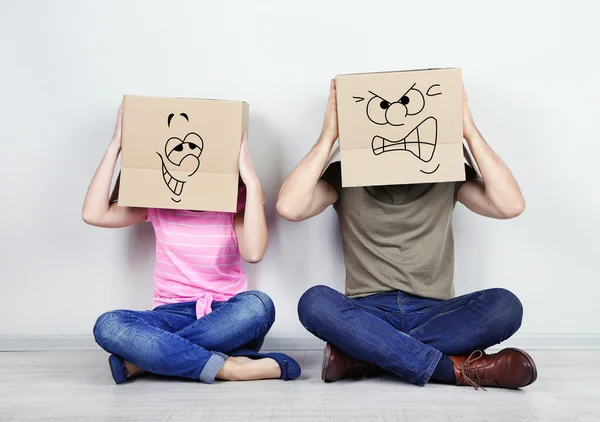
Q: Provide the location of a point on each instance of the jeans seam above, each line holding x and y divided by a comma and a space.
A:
445, 313
401, 310
363, 307
270, 317
427, 376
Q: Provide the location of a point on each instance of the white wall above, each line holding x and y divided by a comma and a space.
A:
530, 70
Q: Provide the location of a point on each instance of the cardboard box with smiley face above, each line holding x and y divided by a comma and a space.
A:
400, 127
181, 153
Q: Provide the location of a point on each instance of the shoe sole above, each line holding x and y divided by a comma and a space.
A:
531, 362
325, 366
116, 366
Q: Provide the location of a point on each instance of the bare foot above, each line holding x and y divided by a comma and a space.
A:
240, 368
132, 370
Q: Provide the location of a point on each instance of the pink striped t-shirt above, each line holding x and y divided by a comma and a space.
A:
197, 257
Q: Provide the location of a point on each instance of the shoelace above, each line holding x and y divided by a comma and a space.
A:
479, 373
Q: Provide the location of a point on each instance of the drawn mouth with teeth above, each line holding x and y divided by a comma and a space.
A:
183, 155
175, 186
421, 141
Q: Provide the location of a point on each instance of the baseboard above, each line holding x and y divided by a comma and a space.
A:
13, 343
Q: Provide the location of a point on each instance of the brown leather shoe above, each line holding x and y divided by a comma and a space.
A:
337, 366
509, 368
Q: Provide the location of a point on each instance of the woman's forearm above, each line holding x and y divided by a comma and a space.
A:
96, 203
97, 208
255, 237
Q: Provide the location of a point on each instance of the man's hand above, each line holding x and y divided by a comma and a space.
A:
247, 170
329, 133
302, 194
469, 128
497, 193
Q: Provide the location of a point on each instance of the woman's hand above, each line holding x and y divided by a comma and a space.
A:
116, 141
329, 133
250, 223
97, 207
247, 170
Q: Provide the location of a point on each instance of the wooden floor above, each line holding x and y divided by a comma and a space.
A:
73, 386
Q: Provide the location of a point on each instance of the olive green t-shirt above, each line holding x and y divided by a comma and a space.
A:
396, 237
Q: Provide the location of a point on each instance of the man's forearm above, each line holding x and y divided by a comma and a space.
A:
297, 191
501, 188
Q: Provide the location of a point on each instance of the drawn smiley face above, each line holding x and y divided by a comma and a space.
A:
181, 156
404, 124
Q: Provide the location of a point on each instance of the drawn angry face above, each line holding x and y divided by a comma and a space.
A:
404, 122
181, 159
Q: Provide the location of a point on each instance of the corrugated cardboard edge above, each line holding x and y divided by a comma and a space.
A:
114, 196
470, 158
332, 156
245, 127
396, 71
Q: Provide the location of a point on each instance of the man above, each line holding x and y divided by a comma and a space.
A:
399, 312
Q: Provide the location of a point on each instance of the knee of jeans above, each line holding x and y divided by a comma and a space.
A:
106, 327
262, 304
312, 306
508, 304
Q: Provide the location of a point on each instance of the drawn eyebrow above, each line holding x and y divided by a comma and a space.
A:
429, 89
413, 85
185, 116
169, 119
379, 96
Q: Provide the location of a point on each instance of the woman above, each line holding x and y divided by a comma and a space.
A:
205, 324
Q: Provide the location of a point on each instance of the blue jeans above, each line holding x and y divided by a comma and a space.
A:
169, 340
406, 334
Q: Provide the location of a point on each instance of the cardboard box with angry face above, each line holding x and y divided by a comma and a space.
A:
400, 127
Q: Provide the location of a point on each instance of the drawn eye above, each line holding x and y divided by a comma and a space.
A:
376, 108
173, 145
414, 101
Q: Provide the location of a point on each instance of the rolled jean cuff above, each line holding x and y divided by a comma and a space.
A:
212, 367
425, 378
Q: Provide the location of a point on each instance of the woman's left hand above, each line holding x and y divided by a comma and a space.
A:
247, 171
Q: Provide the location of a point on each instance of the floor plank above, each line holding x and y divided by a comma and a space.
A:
73, 386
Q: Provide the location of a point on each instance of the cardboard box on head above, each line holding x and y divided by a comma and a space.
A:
400, 127
181, 153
